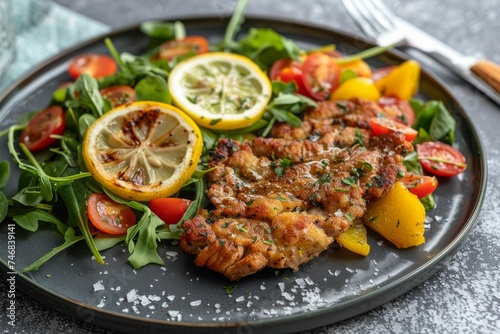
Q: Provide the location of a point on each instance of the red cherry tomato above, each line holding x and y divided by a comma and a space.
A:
38, 132
109, 216
96, 65
288, 70
382, 72
170, 210
321, 75
398, 109
175, 48
118, 95
381, 125
441, 159
420, 185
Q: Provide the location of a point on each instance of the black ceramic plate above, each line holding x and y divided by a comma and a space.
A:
183, 298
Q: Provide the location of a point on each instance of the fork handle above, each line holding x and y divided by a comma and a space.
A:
489, 72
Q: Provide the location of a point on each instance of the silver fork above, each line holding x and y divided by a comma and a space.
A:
378, 22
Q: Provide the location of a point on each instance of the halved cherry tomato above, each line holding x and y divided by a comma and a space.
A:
321, 75
380, 125
288, 70
37, 134
118, 95
109, 216
96, 65
175, 48
441, 159
397, 109
420, 185
170, 210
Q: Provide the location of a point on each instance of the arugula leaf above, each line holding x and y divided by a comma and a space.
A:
144, 251
4, 205
284, 87
264, 46
152, 88
285, 106
234, 24
75, 195
435, 119
105, 241
29, 220
84, 122
89, 96
69, 240
4, 173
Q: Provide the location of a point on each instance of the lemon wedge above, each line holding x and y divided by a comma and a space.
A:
142, 150
220, 90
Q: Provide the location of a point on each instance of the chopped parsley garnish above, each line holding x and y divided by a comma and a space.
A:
325, 178
359, 138
229, 288
281, 165
240, 228
350, 181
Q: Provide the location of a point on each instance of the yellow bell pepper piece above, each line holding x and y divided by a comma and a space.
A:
398, 216
402, 82
359, 66
356, 87
355, 239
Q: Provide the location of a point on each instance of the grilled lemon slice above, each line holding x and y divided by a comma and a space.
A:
142, 150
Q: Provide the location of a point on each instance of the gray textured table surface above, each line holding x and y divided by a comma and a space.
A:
464, 297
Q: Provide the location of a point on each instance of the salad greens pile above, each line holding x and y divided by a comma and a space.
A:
54, 185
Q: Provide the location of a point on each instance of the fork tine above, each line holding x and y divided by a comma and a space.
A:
359, 16
386, 15
372, 16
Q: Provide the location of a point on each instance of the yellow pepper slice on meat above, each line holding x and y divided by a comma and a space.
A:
356, 87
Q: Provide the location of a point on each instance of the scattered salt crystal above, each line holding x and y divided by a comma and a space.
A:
282, 286
262, 287
132, 295
171, 298
380, 243
98, 286
118, 288
151, 307
288, 296
164, 305
154, 298
349, 270
125, 310
337, 272
195, 303
300, 281
240, 299
145, 301
249, 303
339, 213
309, 281
171, 254
173, 313
101, 304
136, 311
438, 218
330, 272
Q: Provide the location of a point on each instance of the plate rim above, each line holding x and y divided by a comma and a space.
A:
404, 283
